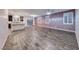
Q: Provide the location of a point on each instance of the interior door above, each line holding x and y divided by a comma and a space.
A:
29, 22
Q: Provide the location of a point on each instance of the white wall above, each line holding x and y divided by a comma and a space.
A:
3, 28
77, 25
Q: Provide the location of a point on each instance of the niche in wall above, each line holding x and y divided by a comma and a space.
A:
21, 18
9, 26
10, 17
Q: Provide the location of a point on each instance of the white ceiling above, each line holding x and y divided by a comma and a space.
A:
37, 11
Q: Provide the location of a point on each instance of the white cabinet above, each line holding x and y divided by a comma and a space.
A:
16, 23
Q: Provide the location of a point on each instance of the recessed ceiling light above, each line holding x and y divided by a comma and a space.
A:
34, 15
16, 16
48, 13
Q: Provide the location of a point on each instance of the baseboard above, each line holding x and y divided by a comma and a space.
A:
58, 29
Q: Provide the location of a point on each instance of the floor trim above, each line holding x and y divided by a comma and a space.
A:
57, 29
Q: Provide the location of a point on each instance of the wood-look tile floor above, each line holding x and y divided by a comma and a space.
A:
38, 38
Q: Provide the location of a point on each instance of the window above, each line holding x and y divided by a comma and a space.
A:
65, 19
68, 18
16, 18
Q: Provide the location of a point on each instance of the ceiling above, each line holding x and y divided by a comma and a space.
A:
37, 11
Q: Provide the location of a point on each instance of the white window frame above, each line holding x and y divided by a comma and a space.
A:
67, 14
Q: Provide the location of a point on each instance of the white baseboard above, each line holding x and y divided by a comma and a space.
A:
58, 29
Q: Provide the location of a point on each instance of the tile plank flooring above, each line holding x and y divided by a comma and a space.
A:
38, 38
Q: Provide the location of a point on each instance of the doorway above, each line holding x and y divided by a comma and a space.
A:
29, 22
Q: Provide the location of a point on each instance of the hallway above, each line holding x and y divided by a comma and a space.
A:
38, 38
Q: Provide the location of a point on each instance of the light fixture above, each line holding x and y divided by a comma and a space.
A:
48, 13
33, 15
16, 16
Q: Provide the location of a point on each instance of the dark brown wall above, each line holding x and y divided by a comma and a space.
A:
56, 21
